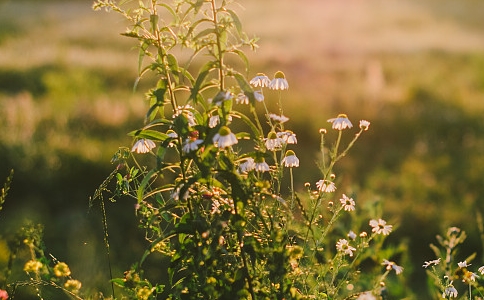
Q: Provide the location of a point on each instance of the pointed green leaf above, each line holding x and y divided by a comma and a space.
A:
149, 134
236, 20
144, 183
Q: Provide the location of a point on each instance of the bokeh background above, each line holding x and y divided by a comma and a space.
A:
414, 68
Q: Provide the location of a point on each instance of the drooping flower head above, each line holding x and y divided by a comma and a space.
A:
260, 80
224, 138
389, 265
290, 160
260, 164
341, 122
247, 165
273, 143
326, 186
279, 82
287, 137
450, 291
143, 146
278, 118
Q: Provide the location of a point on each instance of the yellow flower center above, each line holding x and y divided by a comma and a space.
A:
279, 74
224, 131
272, 135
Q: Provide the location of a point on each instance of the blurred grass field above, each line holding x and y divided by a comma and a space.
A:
415, 69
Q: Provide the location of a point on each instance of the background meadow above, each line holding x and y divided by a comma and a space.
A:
415, 69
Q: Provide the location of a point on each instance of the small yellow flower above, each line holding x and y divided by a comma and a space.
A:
33, 266
62, 270
144, 293
73, 286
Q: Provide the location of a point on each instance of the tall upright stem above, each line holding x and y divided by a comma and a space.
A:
219, 47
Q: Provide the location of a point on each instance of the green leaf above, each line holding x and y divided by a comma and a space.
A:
173, 66
154, 22
236, 20
118, 281
144, 183
243, 57
149, 134
249, 122
142, 52
204, 33
202, 74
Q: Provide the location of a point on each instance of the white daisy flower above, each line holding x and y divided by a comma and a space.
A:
242, 99
366, 296
348, 203
260, 80
343, 246
364, 124
380, 227
290, 160
481, 270
279, 82
143, 146
187, 112
326, 186
287, 137
260, 165
247, 165
213, 121
431, 263
191, 144
450, 291
171, 134
272, 142
463, 264
280, 119
258, 96
341, 122
224, 138
392, 265
352, 235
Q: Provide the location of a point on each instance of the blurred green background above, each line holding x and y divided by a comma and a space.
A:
415, 69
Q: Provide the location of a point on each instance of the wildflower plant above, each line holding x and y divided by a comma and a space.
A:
209, 190
453, 278
213, 199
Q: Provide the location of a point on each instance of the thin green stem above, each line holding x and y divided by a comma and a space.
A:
219, 46
292, 188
